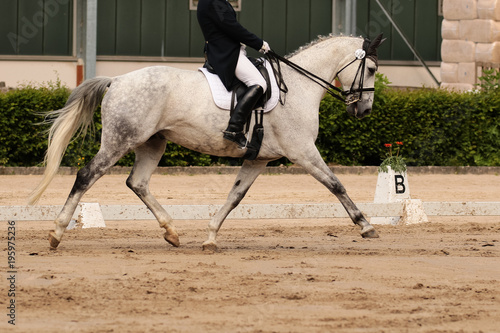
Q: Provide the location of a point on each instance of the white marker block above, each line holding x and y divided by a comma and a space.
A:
73, 224
91, 216
413, 212
391, 187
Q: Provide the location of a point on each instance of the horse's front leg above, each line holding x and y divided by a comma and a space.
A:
247, 175
314, 165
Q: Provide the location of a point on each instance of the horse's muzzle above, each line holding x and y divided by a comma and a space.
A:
363, 114
358, 110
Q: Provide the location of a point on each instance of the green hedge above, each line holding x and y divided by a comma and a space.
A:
22, 142
437, 127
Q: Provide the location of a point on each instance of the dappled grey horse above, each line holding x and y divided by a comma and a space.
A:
144, 109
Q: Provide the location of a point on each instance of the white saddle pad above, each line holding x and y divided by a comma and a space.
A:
222, 97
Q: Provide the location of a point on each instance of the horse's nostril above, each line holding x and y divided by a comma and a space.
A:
361, 114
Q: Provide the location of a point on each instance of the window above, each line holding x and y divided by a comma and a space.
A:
235, 3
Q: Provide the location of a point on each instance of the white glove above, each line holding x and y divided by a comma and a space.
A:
265, 48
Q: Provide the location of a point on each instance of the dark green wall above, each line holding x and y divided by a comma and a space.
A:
418, 20
42, 27
168, 28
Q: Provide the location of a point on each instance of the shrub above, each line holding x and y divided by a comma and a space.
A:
437, 127
22, 141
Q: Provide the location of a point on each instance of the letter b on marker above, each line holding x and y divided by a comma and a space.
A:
399, 183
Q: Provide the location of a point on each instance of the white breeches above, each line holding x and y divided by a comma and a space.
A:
247, 73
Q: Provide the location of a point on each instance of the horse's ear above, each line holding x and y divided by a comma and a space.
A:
371, 47
382, 41
378, 41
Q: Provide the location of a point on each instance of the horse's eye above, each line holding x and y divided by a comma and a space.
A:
372, 70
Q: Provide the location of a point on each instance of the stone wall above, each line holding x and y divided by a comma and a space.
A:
471, 40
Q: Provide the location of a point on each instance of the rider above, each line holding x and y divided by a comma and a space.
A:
225, 41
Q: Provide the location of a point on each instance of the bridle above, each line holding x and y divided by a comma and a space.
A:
355, 94
349, 97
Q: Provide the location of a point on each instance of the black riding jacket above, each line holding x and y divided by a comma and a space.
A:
223, 38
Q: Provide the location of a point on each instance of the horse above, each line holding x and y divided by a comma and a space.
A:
144, 109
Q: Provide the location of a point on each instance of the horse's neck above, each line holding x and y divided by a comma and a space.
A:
327, 57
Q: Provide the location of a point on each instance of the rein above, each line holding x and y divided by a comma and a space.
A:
330, 88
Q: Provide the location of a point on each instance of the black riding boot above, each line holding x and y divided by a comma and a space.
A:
234, 131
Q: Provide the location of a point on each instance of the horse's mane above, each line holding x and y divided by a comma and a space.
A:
318, 40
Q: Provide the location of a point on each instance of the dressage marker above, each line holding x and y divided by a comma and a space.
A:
90, 216
394, 186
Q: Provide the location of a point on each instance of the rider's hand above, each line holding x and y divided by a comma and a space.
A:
265, 48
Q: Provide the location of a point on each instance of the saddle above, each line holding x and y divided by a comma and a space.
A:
240, 89
253, 147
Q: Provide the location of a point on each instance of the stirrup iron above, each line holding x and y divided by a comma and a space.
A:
237, 137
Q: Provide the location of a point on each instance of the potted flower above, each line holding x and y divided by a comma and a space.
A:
394, 161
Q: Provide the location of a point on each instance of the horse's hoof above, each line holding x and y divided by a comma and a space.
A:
369, 232
172, 239
53, 241
210, 247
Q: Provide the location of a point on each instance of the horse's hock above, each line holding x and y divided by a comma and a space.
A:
471, 41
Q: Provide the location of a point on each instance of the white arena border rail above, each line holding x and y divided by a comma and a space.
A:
256, 211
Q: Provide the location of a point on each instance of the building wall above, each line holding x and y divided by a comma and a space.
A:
14, 73
38, 39
471, 40
420, 21
41, 28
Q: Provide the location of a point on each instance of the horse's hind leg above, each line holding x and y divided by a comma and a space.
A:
85, 178
247, 175
314, 164
147, 157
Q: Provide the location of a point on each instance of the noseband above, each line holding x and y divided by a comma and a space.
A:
349, 97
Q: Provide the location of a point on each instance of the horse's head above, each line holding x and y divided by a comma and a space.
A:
358, 76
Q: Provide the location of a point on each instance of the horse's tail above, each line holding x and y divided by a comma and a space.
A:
77, 113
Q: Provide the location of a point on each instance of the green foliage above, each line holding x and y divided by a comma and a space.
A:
437, 127
490, 80
22, 141
397, 163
